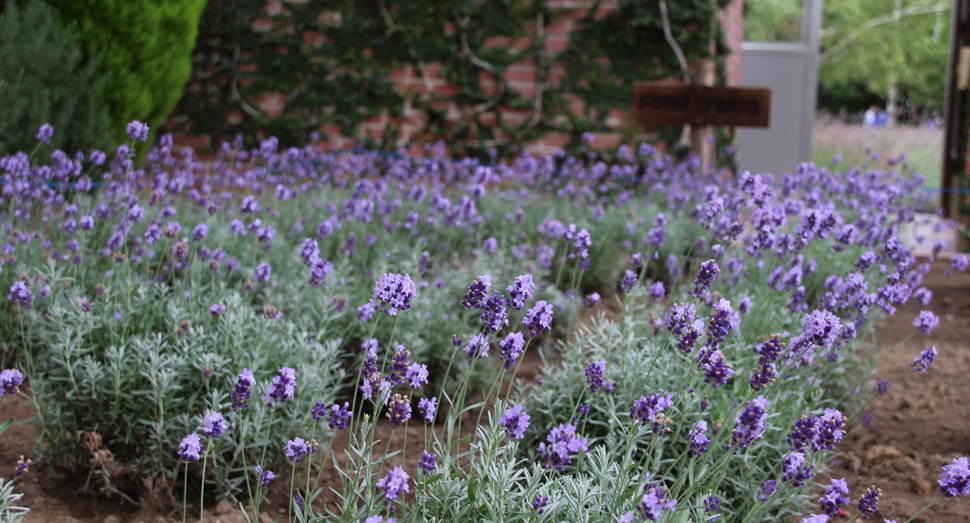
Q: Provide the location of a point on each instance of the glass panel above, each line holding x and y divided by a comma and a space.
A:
773, 20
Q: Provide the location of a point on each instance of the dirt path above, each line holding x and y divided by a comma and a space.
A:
924, 420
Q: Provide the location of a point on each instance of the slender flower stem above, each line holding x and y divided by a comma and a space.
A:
185, 491
289, 504
205, 457
930, 504
515, 372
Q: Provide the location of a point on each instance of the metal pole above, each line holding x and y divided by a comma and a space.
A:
954, 145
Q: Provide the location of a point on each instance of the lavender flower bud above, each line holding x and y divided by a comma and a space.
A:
868, 502
427, 462
705, 277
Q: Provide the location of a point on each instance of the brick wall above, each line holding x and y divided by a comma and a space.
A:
521, 77
732, 23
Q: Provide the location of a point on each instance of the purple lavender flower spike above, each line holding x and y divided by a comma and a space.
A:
955, 479
705, 277
767, 489
750, 424
190, 448
803, 433
318, 411
427, 462
339, 415
45, 133
698, 438
796, 470
262, 273
264, 476
215, 425
592, 300
821, 327
494, 314
295, 448
562, 444
653, 502
540, 503
511, 347
398, 410
629, 281
282, 388
868, 502
595, 374
366, 311
538, 318
242, 391
648, 411
813, 518
394, 484
417, 375
679, 317
835, 494
882, 387
10, 381
137, 131
477, 347
21, 295
477, 292
960, 262
217, 309
520, 291
515, 422
394, 292
926, 322
657, 291
427, 408
922, 362
830, 431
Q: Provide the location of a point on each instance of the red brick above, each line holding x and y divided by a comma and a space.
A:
556, 139
497, 41
446, 89
557, 44
521, 74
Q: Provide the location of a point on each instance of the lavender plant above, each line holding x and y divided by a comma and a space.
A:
217, 325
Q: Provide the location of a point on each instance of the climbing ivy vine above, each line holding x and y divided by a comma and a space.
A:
331, 61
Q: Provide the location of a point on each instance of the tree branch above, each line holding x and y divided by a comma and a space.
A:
669, 35
879, 20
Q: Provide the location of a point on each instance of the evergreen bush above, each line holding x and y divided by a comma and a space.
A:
147, 46
44, 79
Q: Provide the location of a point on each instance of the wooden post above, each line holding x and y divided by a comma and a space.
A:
703, 137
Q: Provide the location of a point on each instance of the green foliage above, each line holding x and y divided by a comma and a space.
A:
773, 20
330, 61
147, 46
43, 79
894, 49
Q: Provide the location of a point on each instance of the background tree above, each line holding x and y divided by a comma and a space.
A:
147, 48
45, 79
894, 49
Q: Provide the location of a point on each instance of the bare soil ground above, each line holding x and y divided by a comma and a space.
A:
923, 422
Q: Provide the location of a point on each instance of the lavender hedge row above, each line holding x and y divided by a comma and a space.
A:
240, 312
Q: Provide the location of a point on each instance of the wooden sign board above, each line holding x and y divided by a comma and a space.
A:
663, 103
